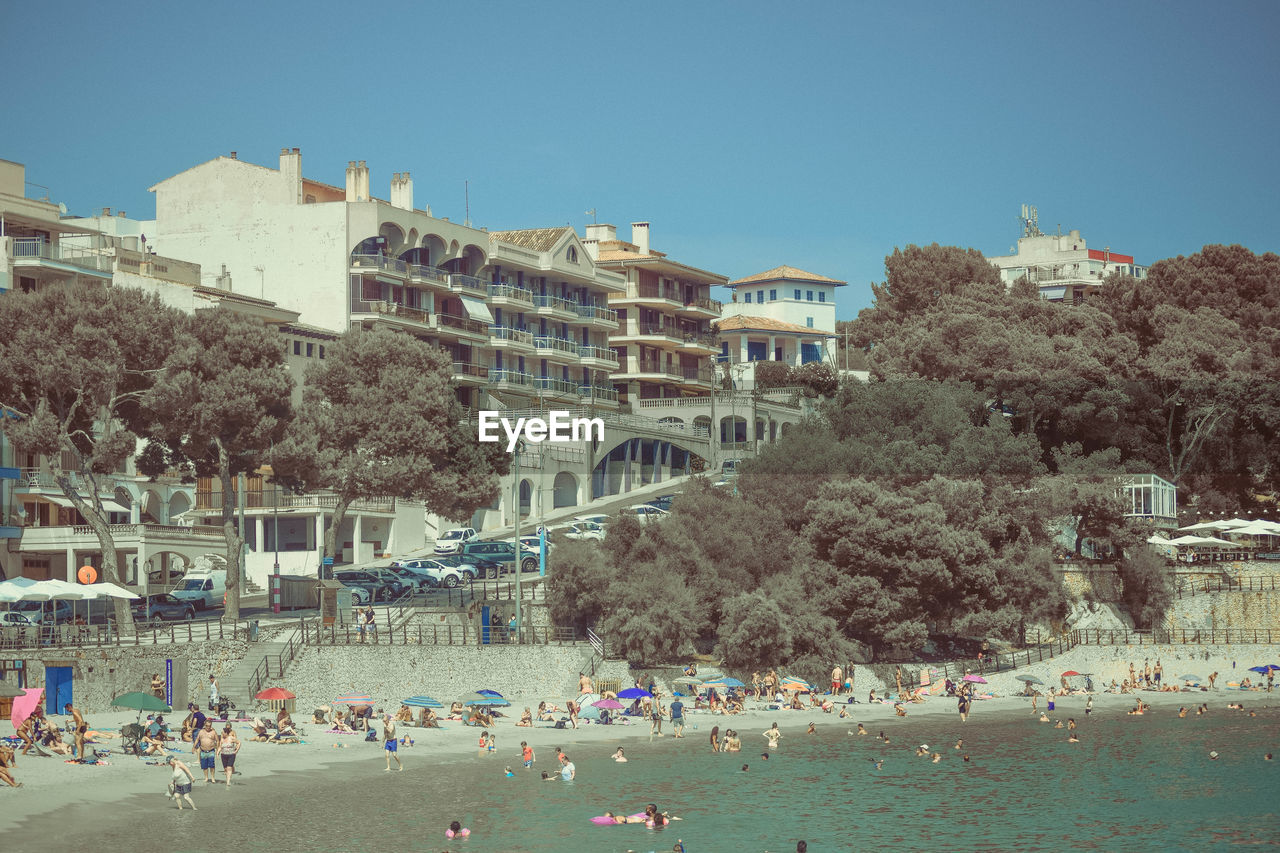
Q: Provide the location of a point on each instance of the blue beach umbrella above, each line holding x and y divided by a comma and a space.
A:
1265, 669
489, 693
481, 699
632, 693
724, 681
422, 702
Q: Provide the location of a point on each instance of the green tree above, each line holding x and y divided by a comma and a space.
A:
577, 591
1146, 586
77, 360
380, 418
220, 404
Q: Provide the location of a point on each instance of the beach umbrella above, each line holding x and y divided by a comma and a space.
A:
25, 705
9, 691
422, 702
1030, 678
275, 694
481, 699
687, 679
975, 679
140, 702
1194, 678
1264, 669
489, 693
633, 693
724, 681
611, 704
1070, 673
354, 699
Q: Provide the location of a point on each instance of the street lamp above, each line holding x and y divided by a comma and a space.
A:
275, 520
515, 505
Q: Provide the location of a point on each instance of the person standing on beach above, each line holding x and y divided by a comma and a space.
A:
837, 681
677, 715
79, 728
1157, 672
1213, 676
213, 693
389, 742
1133, 674
228, 748
181, 782
655, 717
897, 677
205, 744
584, 683
962, 705
157, 686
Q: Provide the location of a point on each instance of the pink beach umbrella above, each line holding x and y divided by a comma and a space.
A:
610, 704
25, 705
976, 679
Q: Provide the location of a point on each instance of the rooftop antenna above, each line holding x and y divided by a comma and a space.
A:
1030, 221
592, 214
466, 188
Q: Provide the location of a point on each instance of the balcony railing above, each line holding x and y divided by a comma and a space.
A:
704, 340
555, 303
463, 324
697, 374
271, 499
653, 365
598, 392
380, 262
37, 248
666, 331
465, 368
499, 375
551, 385
553, 344
595, 312
506, 291
704, 303
459, 281
598, 353
506, 333
653, 291
435, 274
404, 312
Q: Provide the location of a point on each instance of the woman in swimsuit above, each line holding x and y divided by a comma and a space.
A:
715, 738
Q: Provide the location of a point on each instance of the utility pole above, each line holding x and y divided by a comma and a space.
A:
515, 505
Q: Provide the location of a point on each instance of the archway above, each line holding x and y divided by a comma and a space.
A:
702, 425
393, 237
785, 428
178, 504
671, 420
526, 497
564, 490
733, 429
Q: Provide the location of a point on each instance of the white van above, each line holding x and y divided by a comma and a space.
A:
205, 590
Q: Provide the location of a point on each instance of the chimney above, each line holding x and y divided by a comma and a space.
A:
106, 211
291, 173
362, 175
352, 183
402, 191
121, 214
233, 155
640, 236
593, 248
601, 231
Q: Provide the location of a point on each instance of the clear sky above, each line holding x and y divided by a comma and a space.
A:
750, 134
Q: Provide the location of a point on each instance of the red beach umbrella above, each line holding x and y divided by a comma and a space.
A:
275, 694
1069, 673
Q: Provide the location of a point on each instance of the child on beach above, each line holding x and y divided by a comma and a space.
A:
526, 755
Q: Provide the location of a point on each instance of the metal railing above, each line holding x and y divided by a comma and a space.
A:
506, 333
506, 291
464, 368
262, 673
598, 353
462, 324
95, 636
703, 340
448, 634
597, 312
554, 344
705, 303
652, 291
1253, 583
461, 281
663, 329
37, 248
555, 303
653, 365
598, 392
403, 312
271, 499
379, 262
1175, 636
429, 273
499, 375
551, 385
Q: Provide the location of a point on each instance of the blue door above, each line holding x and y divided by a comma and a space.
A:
57, 688
484, 625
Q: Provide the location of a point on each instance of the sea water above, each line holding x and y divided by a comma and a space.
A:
1132, 783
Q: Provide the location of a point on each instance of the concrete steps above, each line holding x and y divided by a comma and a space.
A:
236, 686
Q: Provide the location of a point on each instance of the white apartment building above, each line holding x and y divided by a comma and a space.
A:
1061, 266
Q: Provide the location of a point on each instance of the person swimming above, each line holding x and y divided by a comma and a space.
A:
456, 830
959, 743
618, 756
862, 730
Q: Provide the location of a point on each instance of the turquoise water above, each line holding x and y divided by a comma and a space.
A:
1133, 783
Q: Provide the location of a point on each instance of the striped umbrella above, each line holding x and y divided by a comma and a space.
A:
354, 699
799, 684
481, 699
724, 681
489, 693
422, 702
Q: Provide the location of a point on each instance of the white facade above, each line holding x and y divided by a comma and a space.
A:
787, 294
1062, 266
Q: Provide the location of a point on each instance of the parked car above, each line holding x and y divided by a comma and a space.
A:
176, 576
204, 590
365, 587
584, 530
163, 607
599, 518
645, 513
729, 469
451, 541
44, 612
465, 568
495, 558
663, 502
394, 585
415, 576
14, 619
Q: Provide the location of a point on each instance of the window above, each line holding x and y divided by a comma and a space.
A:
808, 321
310, 350
297, 347
760, 296
808, 295
797, 294
572, 254
773, 294
822, 296
322, 350
748, 298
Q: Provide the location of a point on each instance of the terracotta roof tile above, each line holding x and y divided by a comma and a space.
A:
745, 322
537, 239
786, 272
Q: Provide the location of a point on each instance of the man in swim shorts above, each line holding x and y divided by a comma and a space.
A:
526, 755
677, 716
390, 743
79, 728
205, 743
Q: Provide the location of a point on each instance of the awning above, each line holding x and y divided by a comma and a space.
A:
1053, 292
109, 503
477, 310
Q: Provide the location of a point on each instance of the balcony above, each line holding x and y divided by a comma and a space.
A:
598, 393
505, 337
127, 536
555, 306
555, 387
651, 293
556, 349
405, 314
667, 332
467, 373
701, 341
701, 306
448, 324
469, 284
381, 263
504, 295
699, 374
515, 379
429, 275
598, 357
595, 315
650, 369
38, 252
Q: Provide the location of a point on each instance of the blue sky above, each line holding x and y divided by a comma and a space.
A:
750, 134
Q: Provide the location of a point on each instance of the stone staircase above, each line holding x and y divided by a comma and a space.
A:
238, 685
